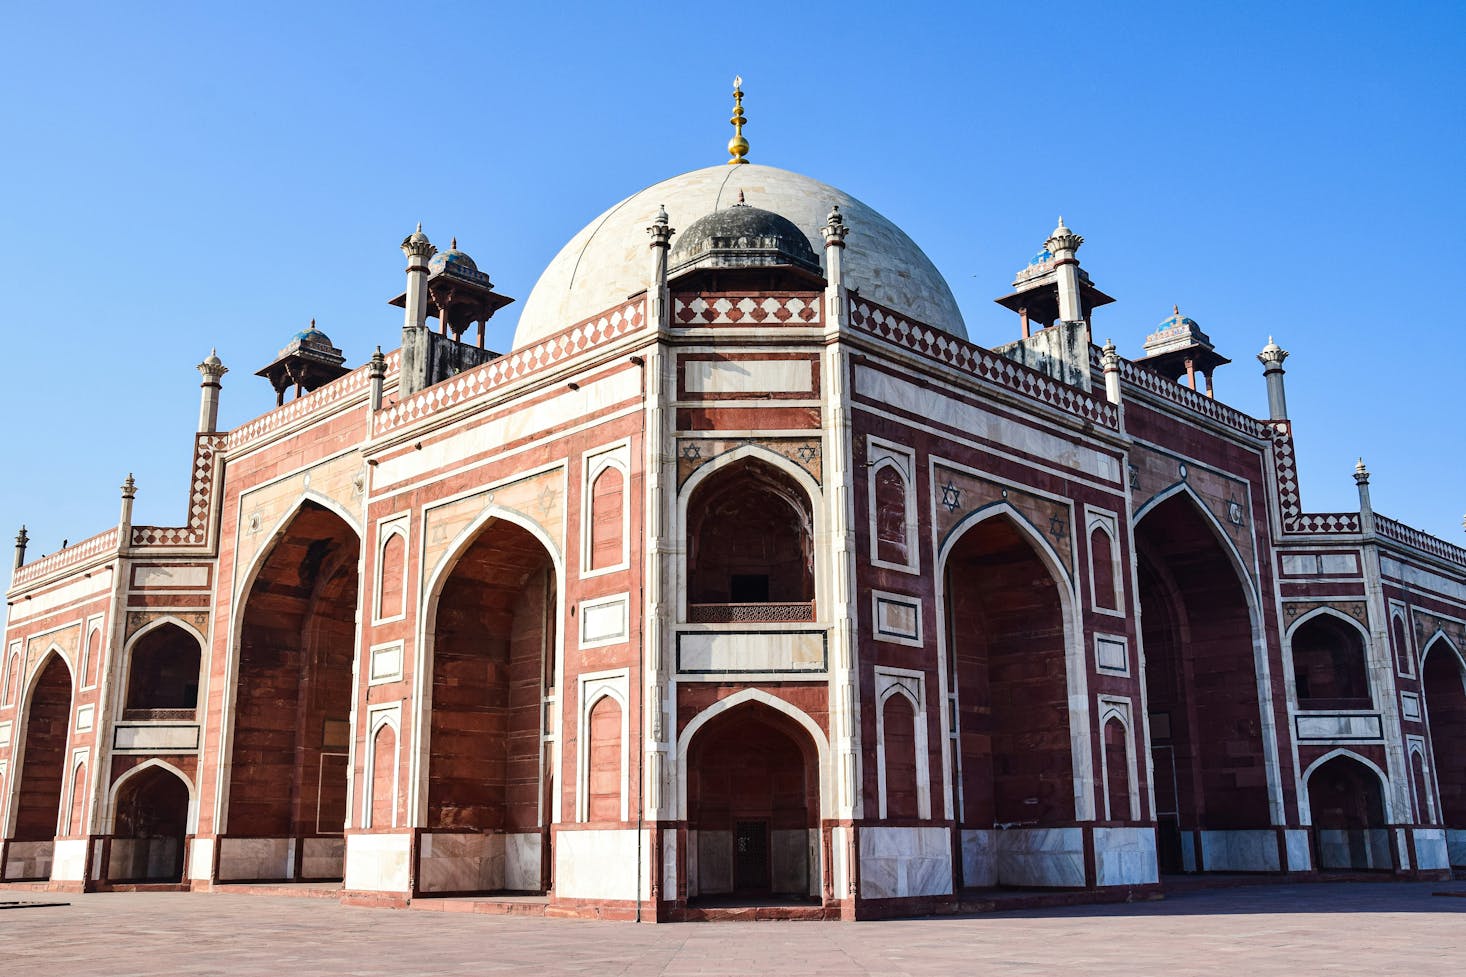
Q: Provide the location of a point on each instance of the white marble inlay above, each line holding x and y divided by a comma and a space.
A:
1338, 727
158, 576
98, 582
386, 662
603, 621
69, 860
1409, 705
85, 716
1125, 856
156, 739
1431, 851
1239, 851
751, 651
1300, 852
1456, 847
903, 862
748, 376
601, 863
378, 863
201, 859
1111, 654
1040, 856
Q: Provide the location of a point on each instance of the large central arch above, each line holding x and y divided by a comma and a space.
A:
286, 807
1019, 762
1443, 680
492, 632
1210, 748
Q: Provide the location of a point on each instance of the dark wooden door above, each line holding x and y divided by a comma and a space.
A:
751, 856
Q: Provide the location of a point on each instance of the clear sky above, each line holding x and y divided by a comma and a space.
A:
180, 176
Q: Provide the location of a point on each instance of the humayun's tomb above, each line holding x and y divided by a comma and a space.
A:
742, 579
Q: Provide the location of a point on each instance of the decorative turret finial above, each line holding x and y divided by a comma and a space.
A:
1361, 474
129, 487
835, 229
417, 245
660, 229
1272, 354
738, 146
378, 364
1063, 239
1175, 308
21, 539
453, 243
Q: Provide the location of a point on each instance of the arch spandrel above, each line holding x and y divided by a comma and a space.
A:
538, 499
1155, 476
1428, 626
137, 620
1355, 610
338, 484
67, 639
694, 453
957, 494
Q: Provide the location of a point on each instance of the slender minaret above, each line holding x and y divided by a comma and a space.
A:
1110, 360
377, 373
1366, 508
660, 231
835, 232
124, 521
212, 370
21, 538
1271, 358
418, 250
1064, 244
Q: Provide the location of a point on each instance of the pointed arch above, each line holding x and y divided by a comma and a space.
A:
109, 823
1335, 678
743, 697
1305, 812
1239, 565
432, 592
125, 689
1075, 666
39, 752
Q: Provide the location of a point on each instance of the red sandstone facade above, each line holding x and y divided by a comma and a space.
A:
748, 587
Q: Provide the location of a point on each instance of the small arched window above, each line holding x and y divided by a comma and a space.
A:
76, 819
1402, 645
898, 722
1329, 667
1102, 560
384, 776
750, 545
164, 670
606, 501
890, 504
604, 774
94, 658
394, 565
1117, 770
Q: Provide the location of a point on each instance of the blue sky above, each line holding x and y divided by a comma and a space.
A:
183, 176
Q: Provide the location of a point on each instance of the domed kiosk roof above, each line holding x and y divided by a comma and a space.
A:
609, 259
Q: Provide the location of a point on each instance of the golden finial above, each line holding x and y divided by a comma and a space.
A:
738, 146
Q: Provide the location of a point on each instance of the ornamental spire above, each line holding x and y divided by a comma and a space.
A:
737, 146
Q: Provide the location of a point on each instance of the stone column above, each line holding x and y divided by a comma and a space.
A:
1366, 509
124, 522
835, 232
377, 372
21, 538
661, 232
1271, 358
1110, 360
418, 250
1063, 245
212, 370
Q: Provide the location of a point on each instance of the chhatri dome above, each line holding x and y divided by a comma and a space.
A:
608, 261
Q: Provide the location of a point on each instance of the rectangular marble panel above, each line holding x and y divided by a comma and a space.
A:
5, 728
1300, 564
460, 862
979, 859
789, 861
323, 858
1300, 852
256, 859
1315, 726
28, 860
522, 862
1125, 856
725, 652
1239, 851
1188, 851
840, 870
1111, 655
85, 716
142, 858
601, 864
1430, 849
669, 866
898, 617
1339, 849
714, 862
1456, 847
900, 862
156, 739
69, 860
201, 859
156, 576
1338, 564
1040, 856
387, 661
1409, 705
603, 621
748, 376
378, 863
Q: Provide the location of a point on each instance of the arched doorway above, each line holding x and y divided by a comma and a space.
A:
1210, 758
287, 785
163, 671
752, 807
43, 771
1347, 804
1006, 646
149, 827
1330, 667
493, 629
1443, 677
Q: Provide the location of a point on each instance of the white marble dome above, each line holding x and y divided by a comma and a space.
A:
610, 260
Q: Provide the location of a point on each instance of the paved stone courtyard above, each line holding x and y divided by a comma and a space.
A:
1253, 931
